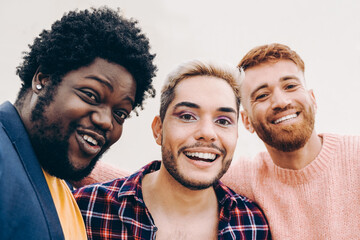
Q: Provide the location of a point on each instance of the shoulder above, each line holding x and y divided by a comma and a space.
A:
249, 213
243, 173
339, 137
236, 202
243, 203
102, 192
339, 143
244, 217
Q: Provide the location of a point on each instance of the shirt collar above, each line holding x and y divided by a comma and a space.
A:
132, 185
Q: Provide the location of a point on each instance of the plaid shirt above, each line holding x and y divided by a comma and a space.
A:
116, 210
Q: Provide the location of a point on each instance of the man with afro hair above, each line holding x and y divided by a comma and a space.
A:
80, 81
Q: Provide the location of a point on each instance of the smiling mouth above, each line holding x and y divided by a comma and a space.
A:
201, 156
90, 140
286, 118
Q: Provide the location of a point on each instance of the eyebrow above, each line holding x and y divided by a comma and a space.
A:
194, 105
131, 101
265, 85
186, 104
106, 83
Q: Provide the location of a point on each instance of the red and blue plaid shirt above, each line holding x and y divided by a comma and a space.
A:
116, 210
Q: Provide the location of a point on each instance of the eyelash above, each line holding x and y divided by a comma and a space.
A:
261, 96
228, 121
289, 86
120, 119
183, 116
93, 98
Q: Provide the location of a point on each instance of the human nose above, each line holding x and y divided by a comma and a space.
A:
206, 130
102, 118
280, 99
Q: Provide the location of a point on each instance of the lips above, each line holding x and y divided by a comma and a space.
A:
90, 142
285, 117
201, 156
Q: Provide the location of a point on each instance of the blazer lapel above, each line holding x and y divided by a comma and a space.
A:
18, 135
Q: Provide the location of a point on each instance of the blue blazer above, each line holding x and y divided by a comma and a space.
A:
27, 210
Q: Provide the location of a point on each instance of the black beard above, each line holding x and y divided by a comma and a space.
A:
51, 142
169, 162
51, 148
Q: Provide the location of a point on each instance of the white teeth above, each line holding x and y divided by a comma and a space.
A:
90, 139
285, 118
210, 156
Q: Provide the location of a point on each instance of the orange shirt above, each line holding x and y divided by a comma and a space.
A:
68, 211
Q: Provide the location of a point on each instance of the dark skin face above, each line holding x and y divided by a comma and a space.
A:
83, 120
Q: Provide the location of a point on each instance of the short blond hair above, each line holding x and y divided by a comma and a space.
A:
231, 75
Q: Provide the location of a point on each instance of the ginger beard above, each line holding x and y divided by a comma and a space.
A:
288, 138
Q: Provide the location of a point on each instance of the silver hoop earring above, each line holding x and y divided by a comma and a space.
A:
38, 87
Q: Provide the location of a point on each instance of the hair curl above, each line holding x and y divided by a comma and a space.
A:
78, 38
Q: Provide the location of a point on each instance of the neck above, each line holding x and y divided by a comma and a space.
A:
300, 158
24, 109
173, 197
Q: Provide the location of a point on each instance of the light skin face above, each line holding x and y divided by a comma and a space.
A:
87, 112
199, 132
277, 105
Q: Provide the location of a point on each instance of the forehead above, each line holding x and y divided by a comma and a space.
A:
269, 73
206, 91
109, 75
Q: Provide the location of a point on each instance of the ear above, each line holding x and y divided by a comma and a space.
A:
157, 129
313, 99
246, 121
39, 79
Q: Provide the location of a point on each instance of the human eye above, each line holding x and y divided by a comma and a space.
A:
291, 85
261, 96
187, 117
120, 116
224, 121
90, 96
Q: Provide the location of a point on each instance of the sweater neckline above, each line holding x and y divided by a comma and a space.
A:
314, 169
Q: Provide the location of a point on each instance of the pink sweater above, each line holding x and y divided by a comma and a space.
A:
320, 201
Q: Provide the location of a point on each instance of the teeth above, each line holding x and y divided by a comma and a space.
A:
210, 156
285, 118
90, 139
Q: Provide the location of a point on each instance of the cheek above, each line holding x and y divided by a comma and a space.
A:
230, 141
173, 132
73, 108
116, 134
259, 113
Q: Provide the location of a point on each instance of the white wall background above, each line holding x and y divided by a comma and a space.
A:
326, 33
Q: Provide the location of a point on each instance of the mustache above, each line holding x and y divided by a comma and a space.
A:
287, 107
97, 130
199, 144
